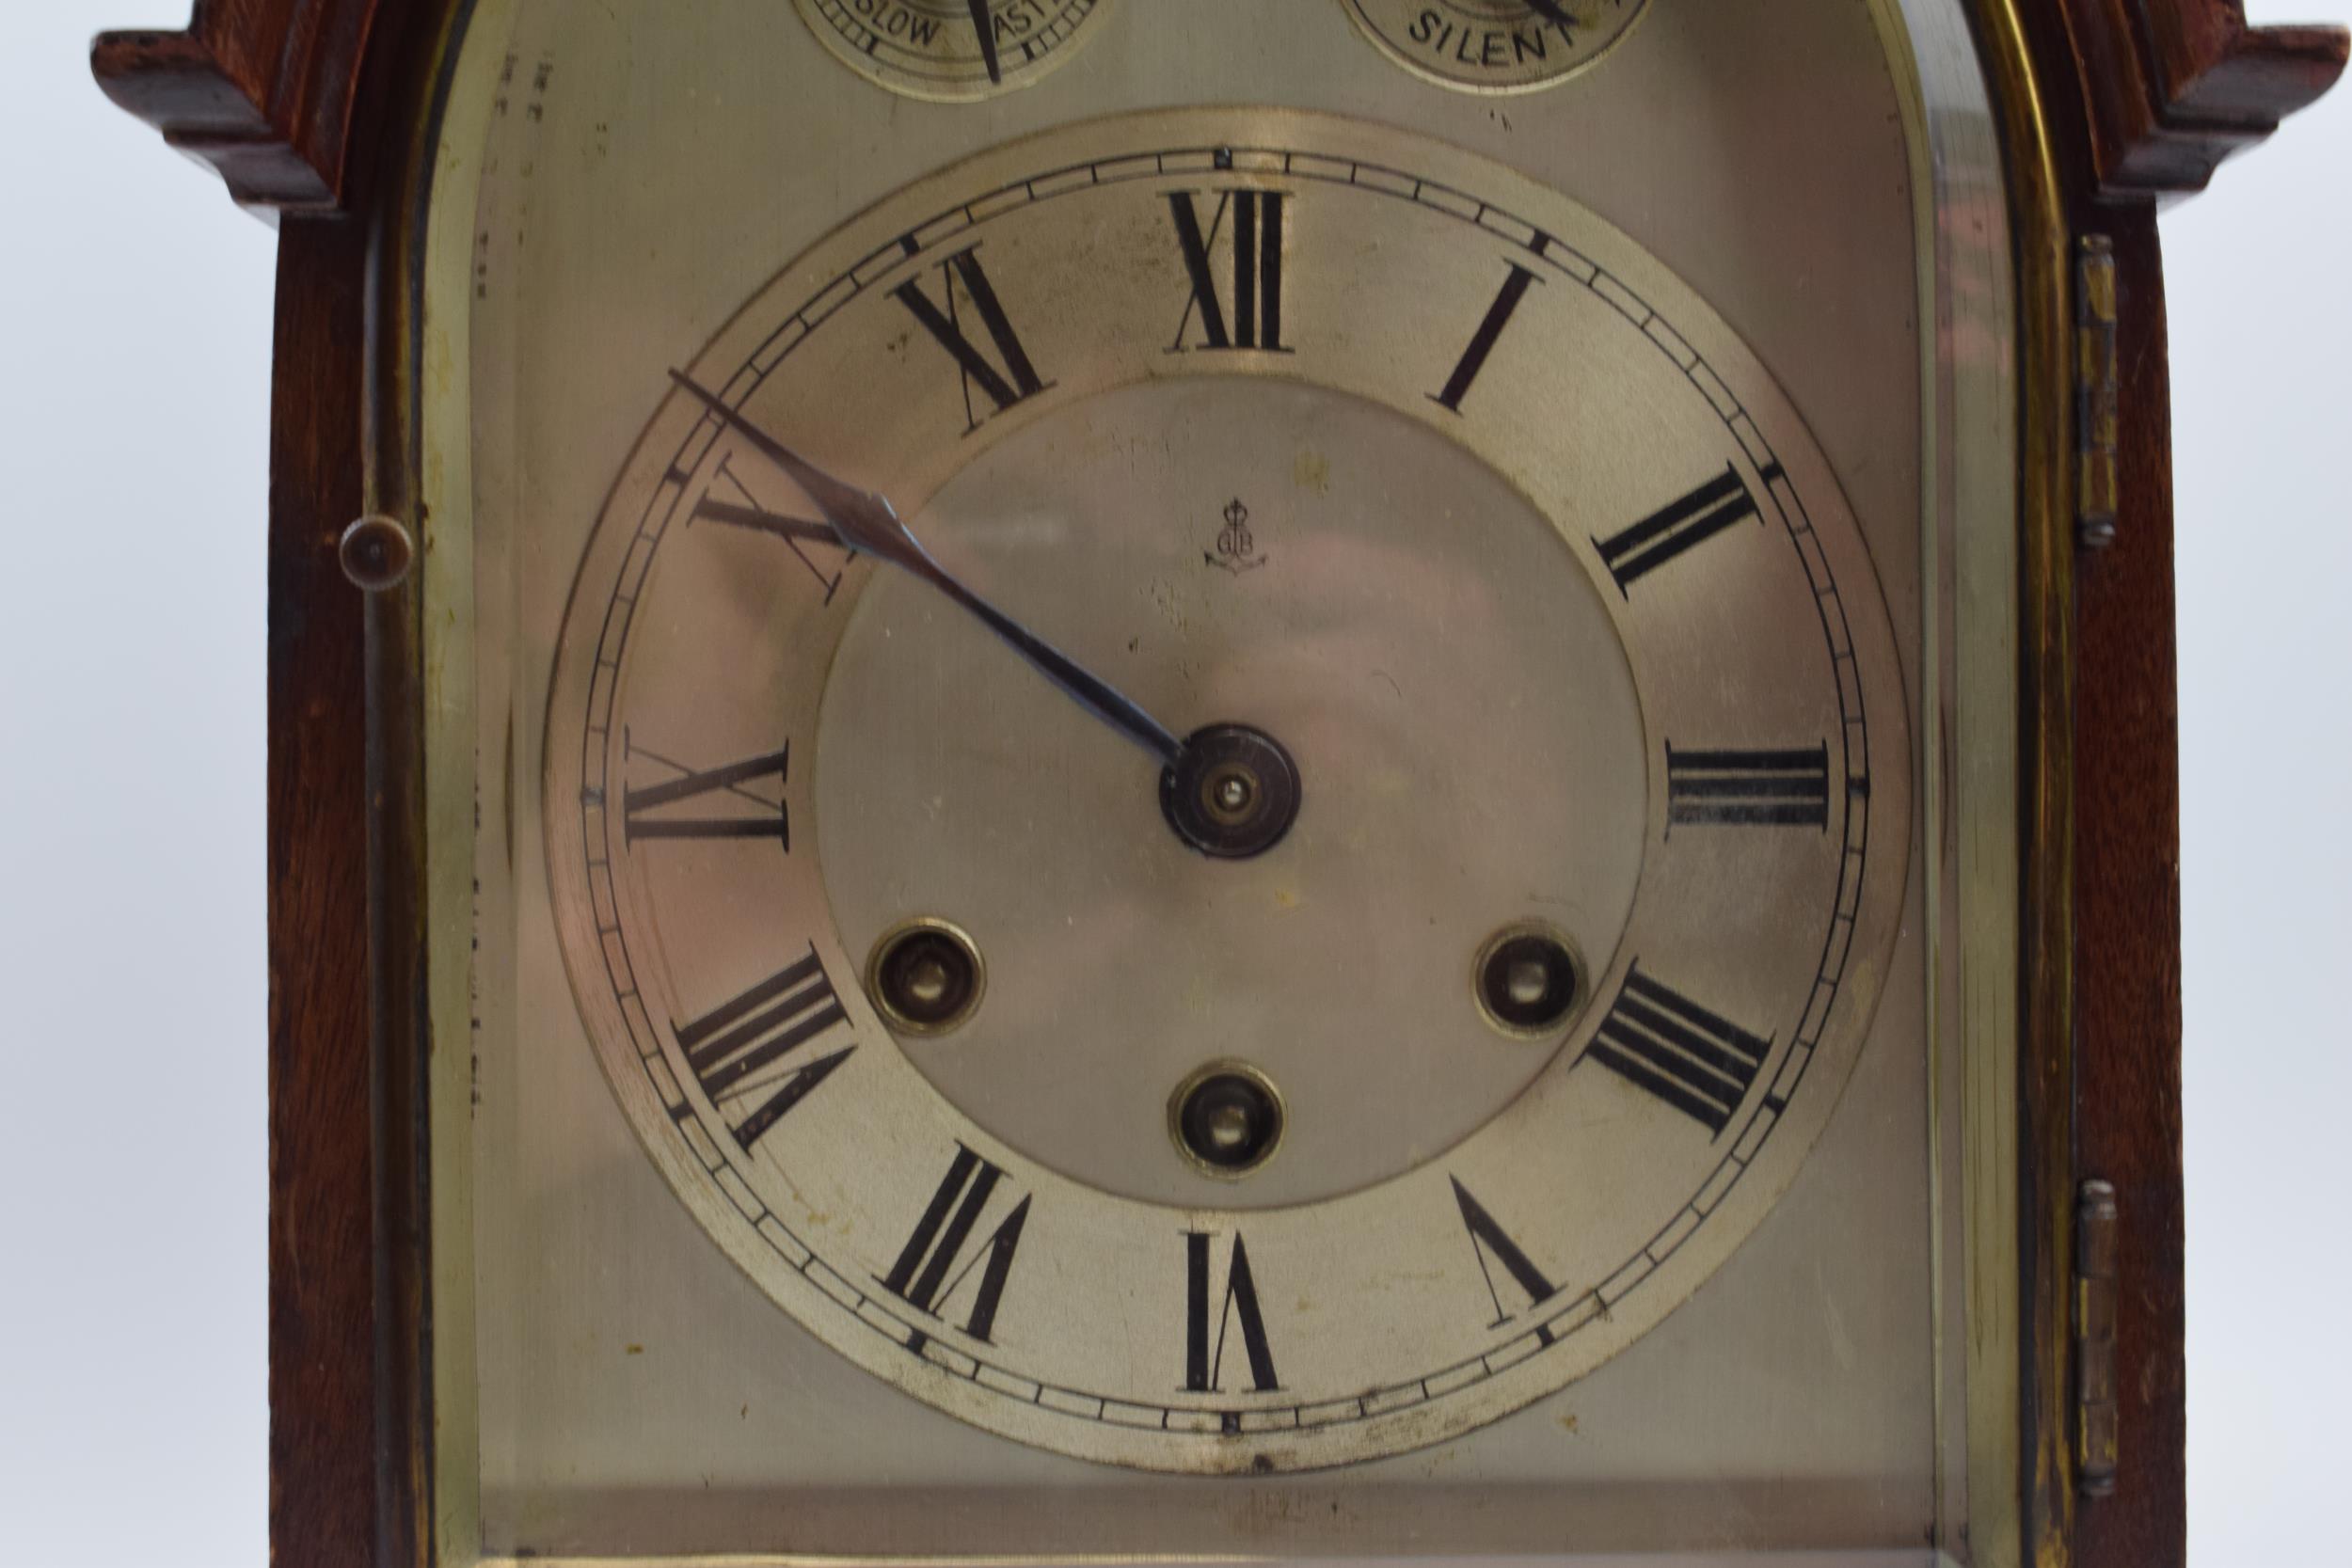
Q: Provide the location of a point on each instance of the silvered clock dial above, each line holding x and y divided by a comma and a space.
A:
1227, 790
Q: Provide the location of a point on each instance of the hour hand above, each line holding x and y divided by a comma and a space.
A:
865, 522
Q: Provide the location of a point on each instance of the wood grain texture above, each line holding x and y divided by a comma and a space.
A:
2171, 87
322, 1227
2127, 906
262, 90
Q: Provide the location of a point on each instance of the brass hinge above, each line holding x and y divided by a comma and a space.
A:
2094, 1339
2097, 393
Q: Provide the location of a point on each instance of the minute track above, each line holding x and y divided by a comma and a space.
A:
1545, 1328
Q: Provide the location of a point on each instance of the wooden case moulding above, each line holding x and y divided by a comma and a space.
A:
316, 108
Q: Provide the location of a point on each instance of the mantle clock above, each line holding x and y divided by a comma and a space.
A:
1089, 780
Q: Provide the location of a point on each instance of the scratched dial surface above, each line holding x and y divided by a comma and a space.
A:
1273, 418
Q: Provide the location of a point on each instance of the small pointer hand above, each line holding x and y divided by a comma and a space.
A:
1552, 10
865, 522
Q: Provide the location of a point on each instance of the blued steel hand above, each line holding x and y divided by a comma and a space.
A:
988, 40
865, 522
1552, 10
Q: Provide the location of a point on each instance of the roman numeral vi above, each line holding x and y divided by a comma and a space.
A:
1204, 1365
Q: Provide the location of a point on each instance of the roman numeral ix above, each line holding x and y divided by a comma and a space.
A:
1696, 1061
1255, 321
1679, 526
1748, 789
1005, 382
724, 806
730, 1047
1203, 1365
926, 1274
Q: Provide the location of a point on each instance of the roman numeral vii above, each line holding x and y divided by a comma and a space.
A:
926, 1274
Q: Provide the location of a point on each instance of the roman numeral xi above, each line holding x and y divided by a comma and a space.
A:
1009, 379
713, 805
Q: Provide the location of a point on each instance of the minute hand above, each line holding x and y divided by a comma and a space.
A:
865, 522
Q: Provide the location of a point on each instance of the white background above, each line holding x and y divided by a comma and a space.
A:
134, 345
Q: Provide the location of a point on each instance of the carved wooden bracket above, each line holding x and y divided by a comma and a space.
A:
262, 90
2171, 87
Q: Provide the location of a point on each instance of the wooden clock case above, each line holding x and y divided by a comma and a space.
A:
318, 115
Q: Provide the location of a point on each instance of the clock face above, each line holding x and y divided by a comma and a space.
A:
1471, 978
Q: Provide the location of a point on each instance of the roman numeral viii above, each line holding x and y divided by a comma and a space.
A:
723, 805
1748, 789
730, 1048
1256, 318
926, 1274
1204, 1365
1008, 380
1678, 526
1698, 1062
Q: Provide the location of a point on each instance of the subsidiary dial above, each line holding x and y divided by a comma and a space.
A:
1496, 46
952, 50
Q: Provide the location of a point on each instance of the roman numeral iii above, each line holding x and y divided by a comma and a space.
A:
1681, 525
1204, 1363
1696, 1061
730, 1047
926, 1273
1008, 380
1255, 321
1748, 789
